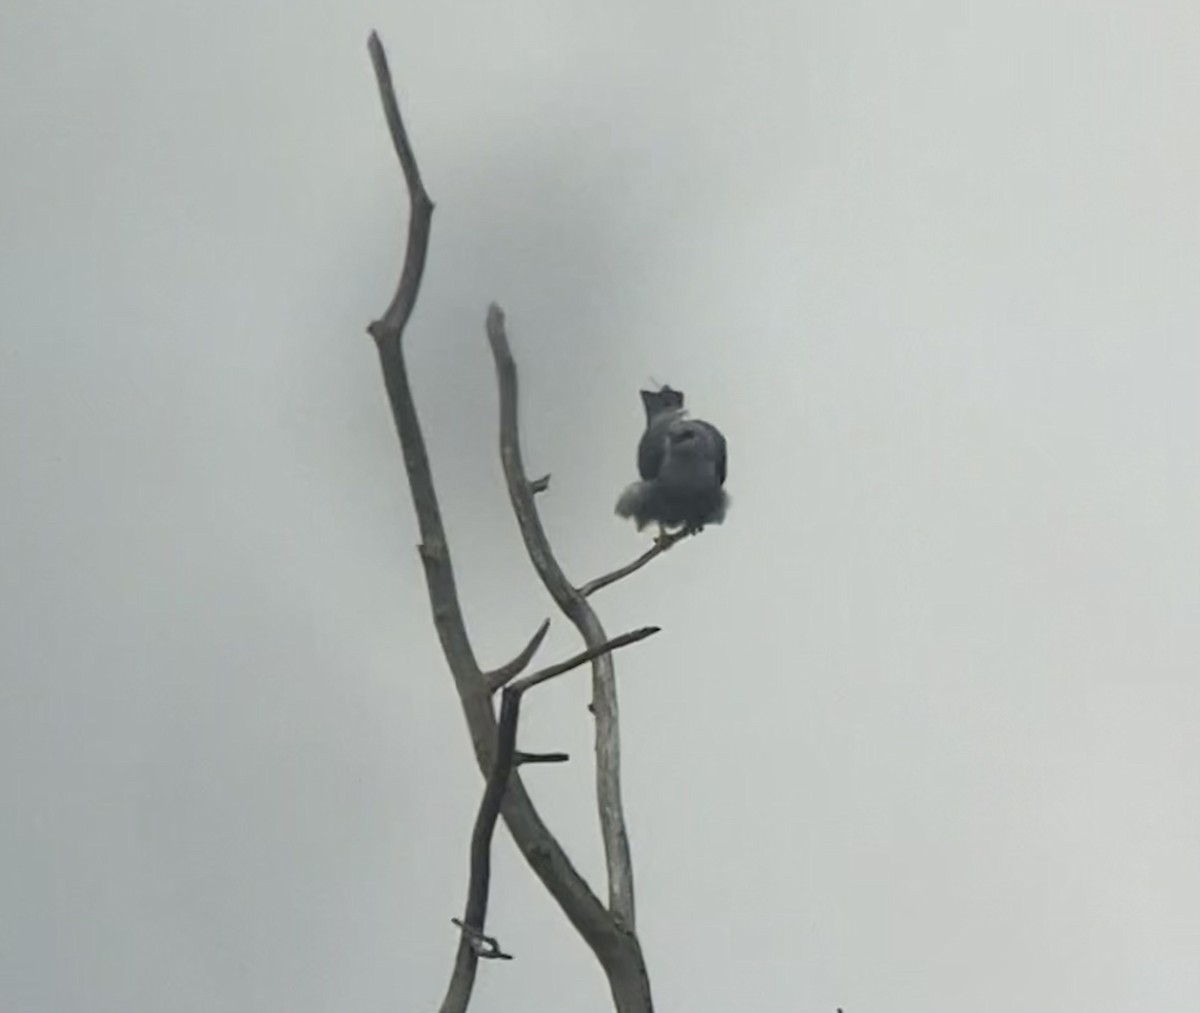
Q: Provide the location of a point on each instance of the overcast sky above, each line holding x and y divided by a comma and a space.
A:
922, 731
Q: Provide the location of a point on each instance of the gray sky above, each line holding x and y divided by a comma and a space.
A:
920, 735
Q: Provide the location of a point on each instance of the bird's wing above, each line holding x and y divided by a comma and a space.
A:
717, 443
652, 448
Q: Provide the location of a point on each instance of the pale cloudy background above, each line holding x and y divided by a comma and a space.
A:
921, 734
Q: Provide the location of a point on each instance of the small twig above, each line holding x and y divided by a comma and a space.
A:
486, 947
523, 758
583, 657
661, 544
539, 484
500, 677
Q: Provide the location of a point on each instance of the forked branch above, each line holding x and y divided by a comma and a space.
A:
473, 944
583, 657
500, 677
575, 606
614, 944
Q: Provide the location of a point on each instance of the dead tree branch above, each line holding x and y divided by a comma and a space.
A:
488, 947
523, 758
420, 206
473, 944
576, 608
500, 677
583, 657
661, 544
466, 960
613, 942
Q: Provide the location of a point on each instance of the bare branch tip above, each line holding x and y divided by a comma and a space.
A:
502, 676
582, 658
378, 55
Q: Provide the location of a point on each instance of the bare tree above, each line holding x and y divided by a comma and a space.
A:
608, 928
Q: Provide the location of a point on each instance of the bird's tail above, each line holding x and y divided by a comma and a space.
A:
637, 502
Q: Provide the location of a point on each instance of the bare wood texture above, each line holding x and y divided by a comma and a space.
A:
541, 757
615, 945
420, 206
466, 960
661, 544
583, 657
576, 608
472, 941
500, 677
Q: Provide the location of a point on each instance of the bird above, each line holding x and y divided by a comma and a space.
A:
682, 463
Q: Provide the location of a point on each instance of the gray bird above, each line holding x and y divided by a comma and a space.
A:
682, 464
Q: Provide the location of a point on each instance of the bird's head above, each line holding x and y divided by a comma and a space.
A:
659, 402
